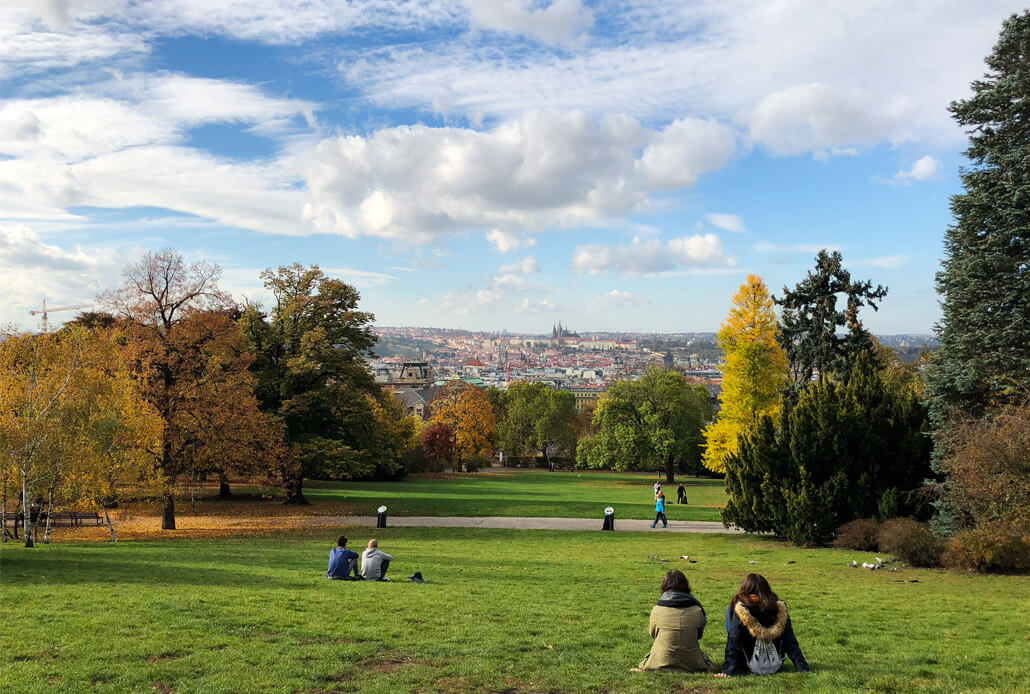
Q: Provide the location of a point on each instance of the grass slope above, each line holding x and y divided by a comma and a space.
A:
527, 611
535, 493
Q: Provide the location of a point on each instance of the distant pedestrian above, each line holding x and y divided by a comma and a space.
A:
659, 509
681, 495
657, 488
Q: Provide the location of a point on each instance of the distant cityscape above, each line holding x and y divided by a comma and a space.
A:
415, 362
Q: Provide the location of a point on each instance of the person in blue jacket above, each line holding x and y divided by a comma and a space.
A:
659, 509
342, 562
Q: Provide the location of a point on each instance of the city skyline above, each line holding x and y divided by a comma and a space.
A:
620, 167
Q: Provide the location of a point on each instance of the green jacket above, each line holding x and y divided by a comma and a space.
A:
677, 624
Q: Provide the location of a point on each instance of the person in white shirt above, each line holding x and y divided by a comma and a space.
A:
374, 563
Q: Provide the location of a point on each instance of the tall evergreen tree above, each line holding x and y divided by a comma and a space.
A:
984, 333
811, 319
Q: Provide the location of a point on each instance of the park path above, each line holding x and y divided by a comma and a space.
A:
520, 523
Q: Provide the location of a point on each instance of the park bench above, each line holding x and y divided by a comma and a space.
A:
72, 518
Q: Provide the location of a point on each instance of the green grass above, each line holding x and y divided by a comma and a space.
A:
530, 611
535, 493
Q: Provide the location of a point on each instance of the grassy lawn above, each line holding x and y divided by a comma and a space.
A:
525, 493
529, 611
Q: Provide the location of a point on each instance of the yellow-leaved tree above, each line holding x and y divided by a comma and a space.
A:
754, 372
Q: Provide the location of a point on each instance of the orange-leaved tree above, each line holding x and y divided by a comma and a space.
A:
467, 410
754, 371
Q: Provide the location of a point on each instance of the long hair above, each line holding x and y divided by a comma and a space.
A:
675, 580
755, 592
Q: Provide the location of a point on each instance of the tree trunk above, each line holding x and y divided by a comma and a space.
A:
670, 470
3, 510
110, 525
168, 519
223, 488
49, 515
295, 492
26, 509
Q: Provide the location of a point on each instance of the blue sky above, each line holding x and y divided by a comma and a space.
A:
487, 164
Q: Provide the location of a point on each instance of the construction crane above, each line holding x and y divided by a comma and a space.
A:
47, 311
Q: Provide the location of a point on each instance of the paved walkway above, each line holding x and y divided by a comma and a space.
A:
519, 523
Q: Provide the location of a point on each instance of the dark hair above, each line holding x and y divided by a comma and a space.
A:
341, 541
764, 599
675, 580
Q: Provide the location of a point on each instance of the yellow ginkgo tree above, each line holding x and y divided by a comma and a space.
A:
754, 372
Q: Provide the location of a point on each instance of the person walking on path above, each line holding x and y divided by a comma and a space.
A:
677, 624
681, 495
659, 510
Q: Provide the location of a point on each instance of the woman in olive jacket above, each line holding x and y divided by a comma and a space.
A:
677, 624
759, 632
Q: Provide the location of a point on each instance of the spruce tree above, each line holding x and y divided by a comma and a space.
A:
811, 319
984, 333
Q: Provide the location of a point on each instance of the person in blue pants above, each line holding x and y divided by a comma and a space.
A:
659, 510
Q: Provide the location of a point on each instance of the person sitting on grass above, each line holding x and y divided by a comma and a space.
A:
659, 509
374, 563
677, 624
342, 562
759, 632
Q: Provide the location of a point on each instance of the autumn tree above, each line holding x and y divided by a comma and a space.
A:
438, 446
754, 372
310, 348
69, 412
192, 363
538, 418
811, 319
653, 423
466, 409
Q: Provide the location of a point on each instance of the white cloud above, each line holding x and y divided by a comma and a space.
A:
526, 266
31, 270
678, 155
616, 299
500, 289
774, 68
889, 261
923, 169
505, 241
540, 171
542, 306
727, 222
815, 118
653, 257
561, 21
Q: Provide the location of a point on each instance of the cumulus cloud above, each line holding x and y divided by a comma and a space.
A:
616, 299
505, 241
543, 170
526, 266
32, 269
542, 306
923, 169
501, 288
727, 222
653, 257
560, 21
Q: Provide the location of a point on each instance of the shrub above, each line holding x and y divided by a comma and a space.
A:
862, 534
989, 548
911, 542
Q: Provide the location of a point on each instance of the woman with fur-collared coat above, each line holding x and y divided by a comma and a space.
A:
677, 624
759, 632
